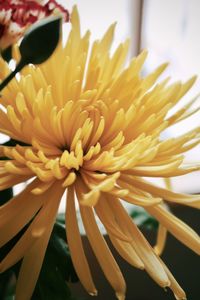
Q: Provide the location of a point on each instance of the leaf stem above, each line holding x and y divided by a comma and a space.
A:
18, 68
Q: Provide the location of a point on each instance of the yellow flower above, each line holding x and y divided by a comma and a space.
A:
92, 127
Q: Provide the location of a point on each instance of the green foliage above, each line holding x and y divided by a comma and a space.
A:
7, 54
61, 218
57, 270
143, 219
5, 195
7, 285
40, 40
38, 44
7, 278
13, 143
51, 284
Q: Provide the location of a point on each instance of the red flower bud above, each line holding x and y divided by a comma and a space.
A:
17, 15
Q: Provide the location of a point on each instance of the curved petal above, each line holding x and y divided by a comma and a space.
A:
166, 194
37, 250
100, 248
161, 240
21, 208
174, 286
120, 240
140, 244
105, 215
75, 245
177, 227
35, 230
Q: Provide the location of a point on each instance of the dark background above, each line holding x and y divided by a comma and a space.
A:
182, 262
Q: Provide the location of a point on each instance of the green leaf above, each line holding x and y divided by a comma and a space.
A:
57, 269
61, 253
7, 285
51, 284
38, 44
61, 218
143, 219
13, 143
5, 196
59, 230
7, 54
40, 40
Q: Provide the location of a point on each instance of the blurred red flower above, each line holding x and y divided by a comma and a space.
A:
17, 15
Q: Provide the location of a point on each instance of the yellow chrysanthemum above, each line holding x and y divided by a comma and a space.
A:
92, 127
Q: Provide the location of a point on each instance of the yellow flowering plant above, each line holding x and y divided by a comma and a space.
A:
89, 129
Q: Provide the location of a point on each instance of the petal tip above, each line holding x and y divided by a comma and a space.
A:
93, 293
120, 295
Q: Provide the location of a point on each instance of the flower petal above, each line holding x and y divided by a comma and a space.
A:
101, 250
37, 251
30, 236
174, 286
177, 227
190, 200
120, 240
75, 245
140, 244
161, 240
21, 208
105, 215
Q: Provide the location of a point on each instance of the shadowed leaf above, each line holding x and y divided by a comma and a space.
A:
40, 40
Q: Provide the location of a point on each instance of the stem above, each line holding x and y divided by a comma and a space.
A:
18, 68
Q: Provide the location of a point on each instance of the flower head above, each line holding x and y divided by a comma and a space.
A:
92, 127
16, 16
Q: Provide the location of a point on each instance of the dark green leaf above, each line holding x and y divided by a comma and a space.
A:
59, 230
7, 284
38, 44
7, 54
57, 269
142, 218
51, 284
62, 256
5, 195
13, 143
6, 279
40, 40
61, 218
